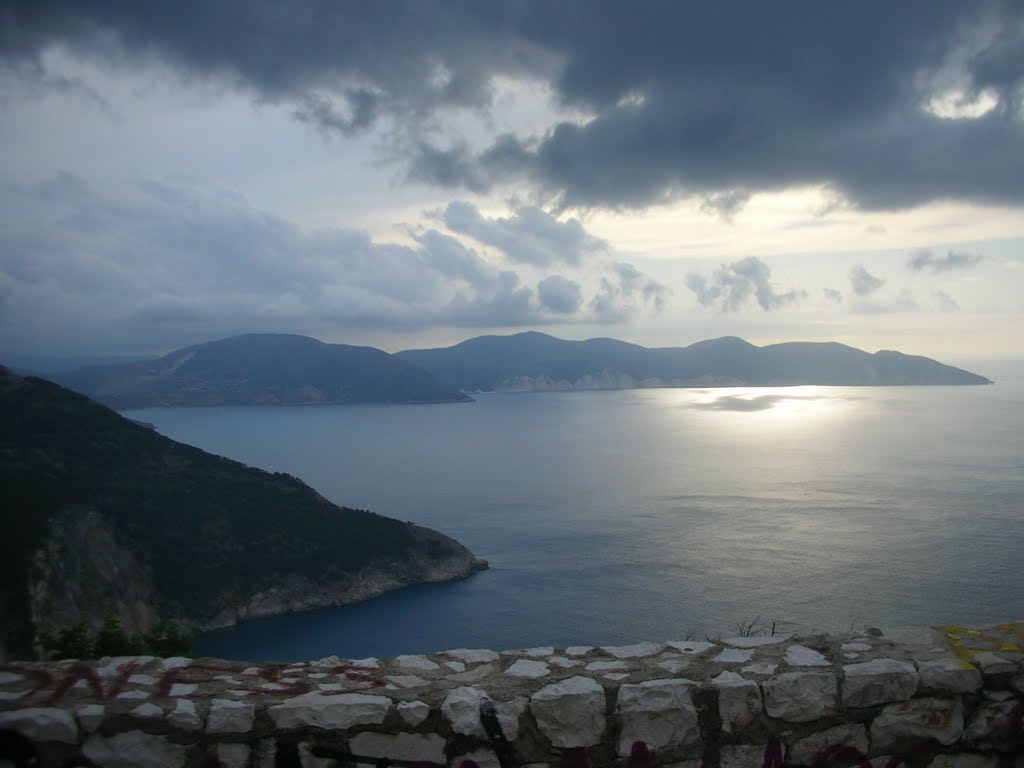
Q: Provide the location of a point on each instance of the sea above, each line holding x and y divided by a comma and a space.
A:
610, 517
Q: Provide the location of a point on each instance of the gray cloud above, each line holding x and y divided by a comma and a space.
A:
560, 294
683, 99
925, 260
863, 282
531, 236
732, 286
836, 297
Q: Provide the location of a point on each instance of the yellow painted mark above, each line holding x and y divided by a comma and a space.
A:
966, 653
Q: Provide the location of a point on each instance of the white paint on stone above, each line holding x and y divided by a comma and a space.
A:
734, 656
473, 655
416, 664
134, 749
800, 697
879, 681
605, 666
148, 711
802, 656
407, 681
233, 755
183, 689
313, 710
529, 669
739, 701
938, 719
185, 717
462, 710
90, 717
660, 713
399, 746
578, 650
691, 647
635, 651
41, 724
413, 712
570, 712
229, 716
807, 750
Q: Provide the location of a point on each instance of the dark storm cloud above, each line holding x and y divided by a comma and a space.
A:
718, 100
732, 286
925, 260
863, 282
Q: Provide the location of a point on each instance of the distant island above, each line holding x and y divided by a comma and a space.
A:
103, 516
535, 361
262, 369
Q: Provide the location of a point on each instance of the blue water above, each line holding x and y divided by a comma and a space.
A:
610, 517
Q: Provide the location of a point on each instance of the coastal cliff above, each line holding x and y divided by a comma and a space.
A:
105, 517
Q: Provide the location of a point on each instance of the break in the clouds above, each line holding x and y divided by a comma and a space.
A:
863, 282
890, 105
735, 286
927, 261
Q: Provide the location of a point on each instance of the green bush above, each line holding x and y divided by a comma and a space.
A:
80, 641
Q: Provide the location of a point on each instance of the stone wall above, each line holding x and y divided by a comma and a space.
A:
945, 698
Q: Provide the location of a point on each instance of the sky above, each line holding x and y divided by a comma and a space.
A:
409, 174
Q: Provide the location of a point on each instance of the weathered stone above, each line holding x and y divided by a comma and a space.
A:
739, 701
879, 681
41, 724
529, 669
174, 662
578, 650
416, 664
309, 760
742, 756
800, 697
370, 662
462, 710
605, 666
509, 713
635, 651
938, 719
233, 755
808, 750
734, 656
455, 666
90, 717
142, 680
413, 712
571, 712
185, 717
760, 668
134, 749
330, 712
992, 664
475, 674
539, 652
473, 655
183, 689
564, 663
802, 656
660, 713
964, 760
148, 711
855, 647
399, 746
994, 726
949, 675
615, 677
228, 716
674, 666
691, 647
407, 681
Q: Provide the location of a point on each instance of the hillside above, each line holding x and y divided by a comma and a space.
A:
104, 516
528, 361
262, 369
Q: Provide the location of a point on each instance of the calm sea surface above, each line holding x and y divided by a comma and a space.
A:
612, 517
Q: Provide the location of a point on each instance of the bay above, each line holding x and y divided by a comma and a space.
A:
618, 516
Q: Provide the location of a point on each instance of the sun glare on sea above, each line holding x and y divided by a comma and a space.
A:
792, 409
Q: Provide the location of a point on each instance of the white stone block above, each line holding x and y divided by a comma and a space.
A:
90, 717
142, 680
473, 655
330, 712
529, 669
174, 662
992, 664
734, 656
635, 651
413, 712
938, 719
148, 711
879, 681
185, 717
509, 713
807, 750
578, 650
539, 652
659, 713
407, 681
455, 666
615, 677
462, 710
399, 746
233, 755
228, 716
41, 724
416, 664
674, 666
605, 666
571, 712
183, 689
760, 668
949, 675
855, 647
134, 749
739, 701
802, 656
800, 697
691, 647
